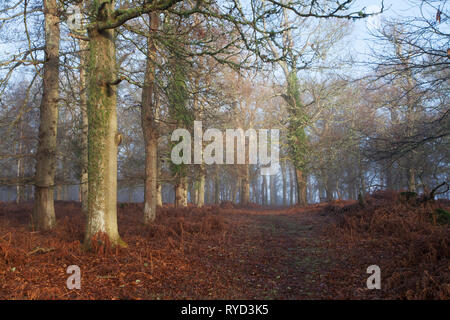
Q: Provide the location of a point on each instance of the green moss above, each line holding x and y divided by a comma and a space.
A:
298, 119
178, 96
101, 70
442, 216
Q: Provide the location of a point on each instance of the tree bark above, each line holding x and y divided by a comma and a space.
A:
104, 138
245, 189
411, 178
181, 193
44, 212
159, 202
234, 190
201, 188
209, 192
130, 194
20, 168
151, 175
149, 126
329, 188
388, 176
264, 191
283, 174
84, 47
301, 187
292, 183
216, 189
273, 194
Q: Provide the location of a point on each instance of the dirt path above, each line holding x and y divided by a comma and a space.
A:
274, 255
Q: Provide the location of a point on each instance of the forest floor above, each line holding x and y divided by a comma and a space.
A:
227, 252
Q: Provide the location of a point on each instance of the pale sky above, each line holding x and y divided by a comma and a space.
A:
393, 8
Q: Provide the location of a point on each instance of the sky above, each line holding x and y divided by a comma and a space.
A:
393, 8
360, 37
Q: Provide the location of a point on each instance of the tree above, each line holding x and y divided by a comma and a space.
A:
298, 47
44, 212
412, 53
149, 125
84, 179
183, 117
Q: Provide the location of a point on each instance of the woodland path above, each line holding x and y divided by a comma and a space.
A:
274, 254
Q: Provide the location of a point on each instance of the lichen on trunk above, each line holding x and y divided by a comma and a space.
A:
103, 135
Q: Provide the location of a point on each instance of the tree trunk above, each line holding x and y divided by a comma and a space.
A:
245, 189
362, 182
329, 188
84, 47
57, 193
411, 179
181, 193
301, 187
159, 202
194, 191
149, 127
66, 193
103, 135
44, 212
351, 190
20, 168
216, 189
234, 190
130, 194
292, 184
151, 178
273, 193
283, 174
185, 193
264, 191
254, 189
201, 188
388, 176
209, 192
411, 118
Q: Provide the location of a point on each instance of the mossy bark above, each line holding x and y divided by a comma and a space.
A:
301, 187
44, 212
292, 185
84, 47
297, 135
103, 135
283, 174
